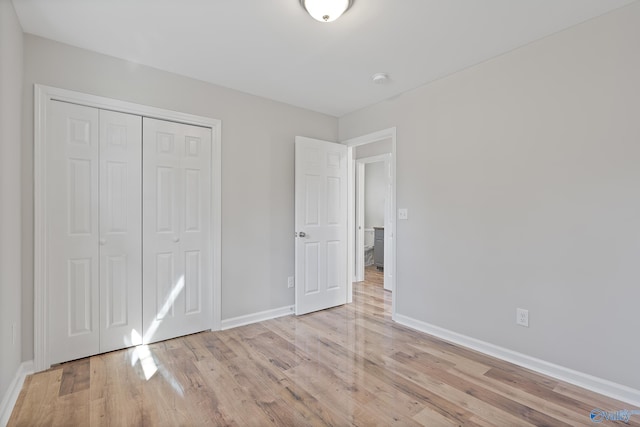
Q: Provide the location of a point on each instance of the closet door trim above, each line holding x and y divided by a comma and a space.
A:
43, 95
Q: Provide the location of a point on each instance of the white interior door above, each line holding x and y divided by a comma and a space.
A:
72, 231
321, 225
120, 229
176, 229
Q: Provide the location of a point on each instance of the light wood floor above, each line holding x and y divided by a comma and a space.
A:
345, 366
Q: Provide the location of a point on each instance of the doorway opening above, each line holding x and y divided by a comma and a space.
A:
375, 150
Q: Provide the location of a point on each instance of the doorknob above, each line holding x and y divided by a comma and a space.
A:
176, 239
302, 234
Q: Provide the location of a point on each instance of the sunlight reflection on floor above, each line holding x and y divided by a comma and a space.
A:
143, 354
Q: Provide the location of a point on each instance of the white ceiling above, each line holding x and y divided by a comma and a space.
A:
272, 48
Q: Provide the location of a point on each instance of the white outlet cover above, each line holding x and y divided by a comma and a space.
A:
522, 317
403, 213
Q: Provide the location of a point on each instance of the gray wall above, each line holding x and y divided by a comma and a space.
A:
11, 47
522, 177
374, 192
257, 166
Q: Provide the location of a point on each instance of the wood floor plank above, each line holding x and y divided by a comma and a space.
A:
75, 377
72, 409
231, 396
350, 365
544, 403
116, 390
329, 388
487, 395
480, 409
40, 400
429, 417
309, 407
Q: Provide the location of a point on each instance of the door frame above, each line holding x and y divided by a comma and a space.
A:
43, 95
390, 239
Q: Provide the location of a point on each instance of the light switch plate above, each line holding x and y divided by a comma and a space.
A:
403, 213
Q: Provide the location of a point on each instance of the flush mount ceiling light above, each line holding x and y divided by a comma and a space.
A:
326, 10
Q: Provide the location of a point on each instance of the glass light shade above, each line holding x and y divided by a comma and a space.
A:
326, 10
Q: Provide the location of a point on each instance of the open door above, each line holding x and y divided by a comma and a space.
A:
320, 224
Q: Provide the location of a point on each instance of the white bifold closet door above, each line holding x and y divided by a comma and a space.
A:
94, 239
176, 229
120, 230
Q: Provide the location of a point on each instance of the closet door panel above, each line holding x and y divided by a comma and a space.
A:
72, 230
176, 230
163, 282
196, 233
120, 230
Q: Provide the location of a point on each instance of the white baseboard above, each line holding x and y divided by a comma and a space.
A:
11, 396
234, 322
598, 385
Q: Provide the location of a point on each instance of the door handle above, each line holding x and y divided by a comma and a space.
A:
302, 234
176, 239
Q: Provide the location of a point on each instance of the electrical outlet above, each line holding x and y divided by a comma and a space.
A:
290, 282
403, 213
522, 317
